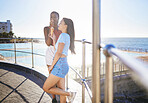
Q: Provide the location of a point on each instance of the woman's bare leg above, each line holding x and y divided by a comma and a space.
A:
61, 85
53, 96
49, 86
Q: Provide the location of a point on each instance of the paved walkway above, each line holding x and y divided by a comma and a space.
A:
19, 86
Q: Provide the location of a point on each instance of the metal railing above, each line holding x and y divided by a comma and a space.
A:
139, 69
109, 50
82, 78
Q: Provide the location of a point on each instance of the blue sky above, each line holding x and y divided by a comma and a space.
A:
125, 18
119, 18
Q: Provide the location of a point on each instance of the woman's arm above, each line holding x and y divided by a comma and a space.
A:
48, 40
57, 55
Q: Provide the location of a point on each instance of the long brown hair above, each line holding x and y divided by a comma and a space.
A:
71, 32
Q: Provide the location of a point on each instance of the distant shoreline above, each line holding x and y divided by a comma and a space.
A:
135, 52
18, 40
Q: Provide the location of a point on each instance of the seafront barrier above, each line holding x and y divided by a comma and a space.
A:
119, 68
31, 52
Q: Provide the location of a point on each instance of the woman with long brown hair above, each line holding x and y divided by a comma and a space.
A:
59, 67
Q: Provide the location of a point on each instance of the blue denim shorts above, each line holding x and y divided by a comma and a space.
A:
61, 68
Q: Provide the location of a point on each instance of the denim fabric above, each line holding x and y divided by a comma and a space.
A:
61, 68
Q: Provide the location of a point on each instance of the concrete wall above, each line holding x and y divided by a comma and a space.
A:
125, 87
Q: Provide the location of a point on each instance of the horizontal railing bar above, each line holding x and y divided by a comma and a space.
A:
86, 85
22, 38
83, 41
88, 89
22, 52
136, 66
139, 68
76, 72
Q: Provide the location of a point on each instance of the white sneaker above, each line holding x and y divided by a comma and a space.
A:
71, 97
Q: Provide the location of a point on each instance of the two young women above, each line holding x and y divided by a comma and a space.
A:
59, 67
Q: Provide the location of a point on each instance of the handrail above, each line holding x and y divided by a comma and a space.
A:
139, 69
83, 80
83, 40
22, 52
22, 38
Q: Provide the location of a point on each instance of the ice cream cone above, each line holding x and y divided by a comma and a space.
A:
51, 31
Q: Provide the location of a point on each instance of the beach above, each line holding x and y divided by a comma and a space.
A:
143, 58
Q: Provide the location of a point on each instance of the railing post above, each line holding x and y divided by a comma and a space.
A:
109, 80
115, 67
87, 72
67, 82
32, 53
83, 70
76, 75
96, 52
119, 69
108, 94
103, 70
15, 49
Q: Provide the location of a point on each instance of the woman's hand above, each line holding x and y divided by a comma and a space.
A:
53, 38
50, 69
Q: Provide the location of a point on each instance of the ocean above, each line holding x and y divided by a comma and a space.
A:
133, 43
73, 60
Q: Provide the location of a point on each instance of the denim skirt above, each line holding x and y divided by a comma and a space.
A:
61, 68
